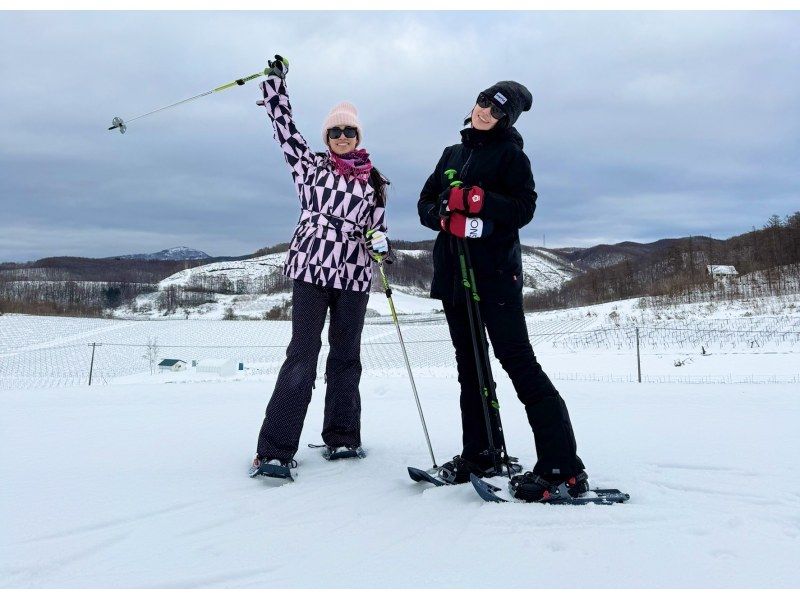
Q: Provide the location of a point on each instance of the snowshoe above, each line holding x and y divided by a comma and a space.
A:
565, 492
420, 475
272, 468
333, 453
530, 487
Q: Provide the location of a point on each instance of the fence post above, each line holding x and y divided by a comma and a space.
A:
91, 365
638, 357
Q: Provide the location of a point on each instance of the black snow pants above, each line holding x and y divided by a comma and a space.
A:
546, 410
286, 411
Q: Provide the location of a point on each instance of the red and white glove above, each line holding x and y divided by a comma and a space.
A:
468, 200
461, 225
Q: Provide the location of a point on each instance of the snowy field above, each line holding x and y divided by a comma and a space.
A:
701, 343
145, 485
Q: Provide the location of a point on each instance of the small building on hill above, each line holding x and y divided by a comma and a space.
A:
717, 271
172, 365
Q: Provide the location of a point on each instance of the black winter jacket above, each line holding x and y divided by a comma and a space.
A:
494, 161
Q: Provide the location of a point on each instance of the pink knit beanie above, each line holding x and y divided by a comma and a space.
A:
342, 115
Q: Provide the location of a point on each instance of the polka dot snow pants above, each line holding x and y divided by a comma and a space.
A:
286, 410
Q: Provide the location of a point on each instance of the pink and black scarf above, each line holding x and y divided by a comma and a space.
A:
355, 164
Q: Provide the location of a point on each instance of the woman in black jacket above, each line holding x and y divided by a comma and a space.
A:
497, 198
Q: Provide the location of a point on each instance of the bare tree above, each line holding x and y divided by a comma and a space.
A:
151, 354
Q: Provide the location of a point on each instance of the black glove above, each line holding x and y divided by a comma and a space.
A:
278, 67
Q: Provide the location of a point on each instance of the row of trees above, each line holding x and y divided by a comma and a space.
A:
67, 298
93, 270
75, 286
406, 270
274, 282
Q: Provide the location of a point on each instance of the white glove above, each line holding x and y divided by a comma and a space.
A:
377, 244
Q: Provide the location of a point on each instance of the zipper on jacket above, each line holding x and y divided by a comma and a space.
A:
463, 174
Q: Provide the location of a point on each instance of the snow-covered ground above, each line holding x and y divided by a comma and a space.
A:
139, 480
657, 310
146, 486
406, 301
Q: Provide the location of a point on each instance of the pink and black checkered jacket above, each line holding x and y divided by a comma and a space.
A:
328, 247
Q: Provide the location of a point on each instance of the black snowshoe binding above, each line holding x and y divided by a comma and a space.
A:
459, 469
272, 468
332, 453
530, 487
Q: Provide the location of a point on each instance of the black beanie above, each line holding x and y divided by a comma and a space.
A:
511, 97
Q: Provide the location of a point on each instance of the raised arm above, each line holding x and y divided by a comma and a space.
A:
296, 150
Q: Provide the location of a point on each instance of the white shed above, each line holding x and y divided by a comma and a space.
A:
223, 367
171, 365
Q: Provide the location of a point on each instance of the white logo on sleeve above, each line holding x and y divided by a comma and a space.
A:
500, 98
476, 198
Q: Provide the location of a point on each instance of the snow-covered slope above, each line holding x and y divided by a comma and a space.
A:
238, 271
145, 486
248, 277
542, 270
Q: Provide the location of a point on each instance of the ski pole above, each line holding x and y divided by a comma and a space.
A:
388, 291
118, 123
484, 369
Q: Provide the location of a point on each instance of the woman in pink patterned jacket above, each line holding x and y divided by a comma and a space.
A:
340, 231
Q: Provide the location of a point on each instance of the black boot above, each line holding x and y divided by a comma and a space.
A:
533, 488
272, 468
332, 453
457, 471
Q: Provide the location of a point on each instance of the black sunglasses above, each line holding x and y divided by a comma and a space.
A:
485, 102
336, 132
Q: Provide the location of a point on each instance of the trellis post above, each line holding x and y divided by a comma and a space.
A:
91, 364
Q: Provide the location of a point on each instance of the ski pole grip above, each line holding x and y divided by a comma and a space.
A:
451, 174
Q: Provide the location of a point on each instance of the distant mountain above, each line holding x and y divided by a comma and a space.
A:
603, 256
176, 254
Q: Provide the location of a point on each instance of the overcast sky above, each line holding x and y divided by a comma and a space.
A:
644, 125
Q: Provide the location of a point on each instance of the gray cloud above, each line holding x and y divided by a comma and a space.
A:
645, 125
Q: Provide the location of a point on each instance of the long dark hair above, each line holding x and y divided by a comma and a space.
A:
378, 182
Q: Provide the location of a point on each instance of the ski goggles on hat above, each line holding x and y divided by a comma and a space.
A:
485, 102
336, 132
